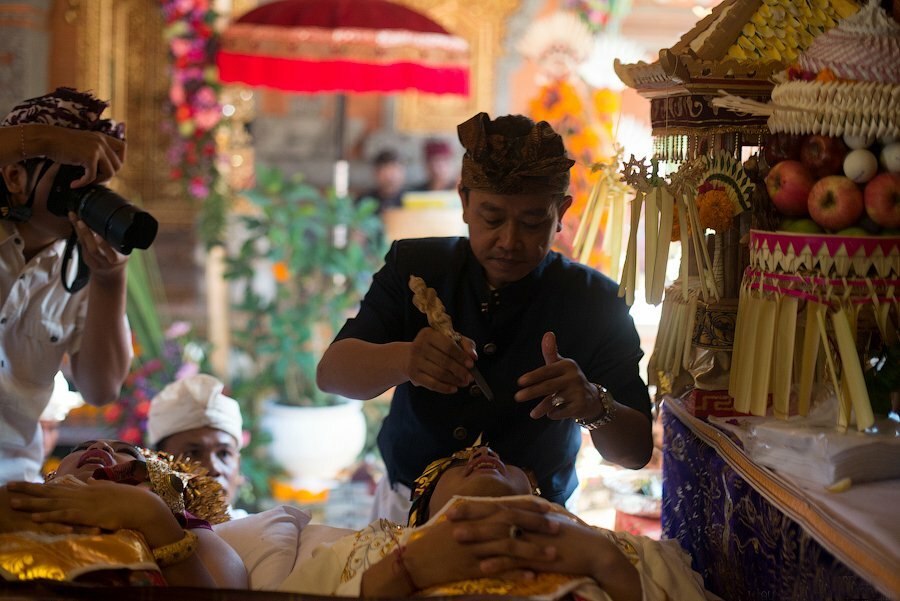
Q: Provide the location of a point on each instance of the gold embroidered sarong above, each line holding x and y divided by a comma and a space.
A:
31, 555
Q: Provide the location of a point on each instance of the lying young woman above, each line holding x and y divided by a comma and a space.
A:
477, 526
111, 515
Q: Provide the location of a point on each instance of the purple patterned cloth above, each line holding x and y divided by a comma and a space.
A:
745, 548
66, 107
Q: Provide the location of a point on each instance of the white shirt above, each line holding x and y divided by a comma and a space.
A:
39, 323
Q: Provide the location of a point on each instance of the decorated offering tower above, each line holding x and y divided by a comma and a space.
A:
701, 178
818, 309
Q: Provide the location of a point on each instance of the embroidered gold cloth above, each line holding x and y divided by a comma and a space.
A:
31, 555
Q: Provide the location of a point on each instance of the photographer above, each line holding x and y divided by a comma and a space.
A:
43, 317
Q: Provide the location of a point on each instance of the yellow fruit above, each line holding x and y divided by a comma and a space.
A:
749, 30
840, 485
738, 53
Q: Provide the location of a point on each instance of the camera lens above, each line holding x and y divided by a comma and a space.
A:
121, 224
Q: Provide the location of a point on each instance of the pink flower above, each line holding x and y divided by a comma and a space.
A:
207, 119
197, 188
178, 329
142, 409
176, 94
187, 370
180, 46
131, 434
112, 413
206, 96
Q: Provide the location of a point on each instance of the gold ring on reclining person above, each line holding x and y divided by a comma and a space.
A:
557, 400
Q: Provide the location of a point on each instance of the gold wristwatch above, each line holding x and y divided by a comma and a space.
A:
606, 415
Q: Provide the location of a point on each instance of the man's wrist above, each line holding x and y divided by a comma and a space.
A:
607, 413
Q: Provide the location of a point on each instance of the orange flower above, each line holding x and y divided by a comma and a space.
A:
281, 272
607, 103
826, 74
555, 102
715, 210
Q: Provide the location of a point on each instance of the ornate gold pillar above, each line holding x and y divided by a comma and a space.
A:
116, 49
483, 25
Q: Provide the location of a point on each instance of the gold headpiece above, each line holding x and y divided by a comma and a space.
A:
425, 484
513, 155
199, 494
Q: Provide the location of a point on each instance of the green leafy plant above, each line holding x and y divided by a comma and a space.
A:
306, 260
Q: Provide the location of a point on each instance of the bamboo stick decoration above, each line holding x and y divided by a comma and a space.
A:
785, 334
600, 201
851, 371
694, 221
706, 263
580, 233
809, 356
744, 384
843, 406
651, 233
684, 267
689, 333
626, 287
634, 175
666, 206
737, 353
615, 223
762, 362
661, 347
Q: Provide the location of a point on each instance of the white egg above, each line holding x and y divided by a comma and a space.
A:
856, 142
860, 165
890, 157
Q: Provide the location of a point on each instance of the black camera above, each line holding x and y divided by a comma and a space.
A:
121, 224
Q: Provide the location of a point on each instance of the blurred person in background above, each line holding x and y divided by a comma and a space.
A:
191, 418
441, 166
390, 180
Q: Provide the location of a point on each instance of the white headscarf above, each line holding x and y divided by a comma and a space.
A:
193, 402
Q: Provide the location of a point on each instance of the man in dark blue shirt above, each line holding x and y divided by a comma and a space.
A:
550, 336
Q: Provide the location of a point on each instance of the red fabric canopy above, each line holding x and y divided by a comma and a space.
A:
343, 46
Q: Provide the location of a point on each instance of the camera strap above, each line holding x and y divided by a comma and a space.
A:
83, 273
21, 213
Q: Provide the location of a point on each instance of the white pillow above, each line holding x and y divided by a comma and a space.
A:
267, 542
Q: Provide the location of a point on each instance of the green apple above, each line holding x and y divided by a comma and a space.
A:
853, 230
804, 225
786, 223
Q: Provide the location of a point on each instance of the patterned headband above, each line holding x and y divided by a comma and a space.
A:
513, 155
66, 107
426, 483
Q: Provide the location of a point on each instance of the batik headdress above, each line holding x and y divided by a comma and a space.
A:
513, 155
66, 107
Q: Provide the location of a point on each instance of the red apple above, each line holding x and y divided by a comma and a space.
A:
781, 147
835, 202
788, 184
882, 199
823, 155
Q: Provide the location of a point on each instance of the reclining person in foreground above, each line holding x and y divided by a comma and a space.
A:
477, 526
111, 515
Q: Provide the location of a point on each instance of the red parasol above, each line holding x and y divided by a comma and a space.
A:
320, 46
